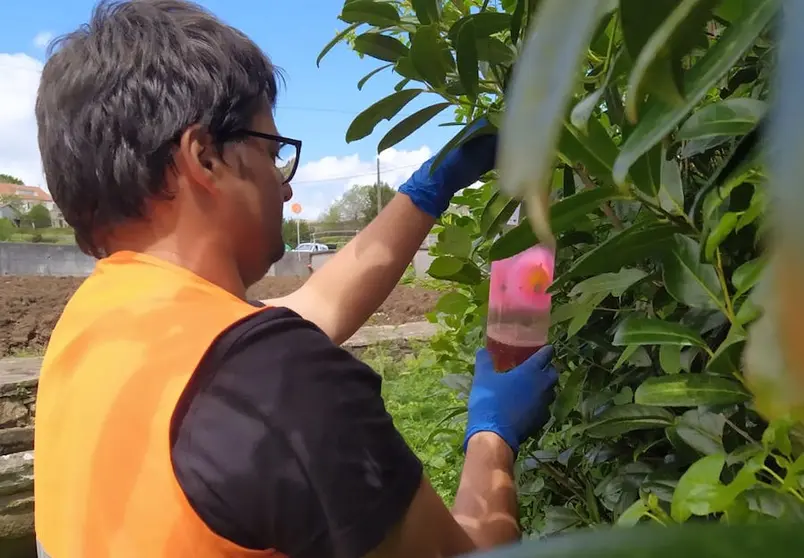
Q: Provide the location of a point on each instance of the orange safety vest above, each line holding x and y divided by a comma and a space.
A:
120, 357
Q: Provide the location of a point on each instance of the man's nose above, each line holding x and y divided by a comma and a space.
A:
287, 192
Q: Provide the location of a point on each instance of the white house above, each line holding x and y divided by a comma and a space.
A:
26, 197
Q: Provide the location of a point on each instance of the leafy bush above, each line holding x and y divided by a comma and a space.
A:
7, 228
656, 268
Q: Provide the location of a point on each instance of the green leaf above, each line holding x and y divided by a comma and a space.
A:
378, 14
622, 419
671, 191
385, 109
516, 20
670, 358
687, 279
747, 275
450, 268
582, 111
427, 11
454, 241
625, 248
627, 353
492, 49
541, 84
430, 55
648, 331
721, 231
567, 398
486, 23
496, 213
379, 46
657, 68
584, 307
613, 283
409, 125
702, 431
338, 38
633, 514
698, 489
453, 303
371, 74
466, 54
690, 390
563, 215
659, 119
595, 149
726, 359
732, 117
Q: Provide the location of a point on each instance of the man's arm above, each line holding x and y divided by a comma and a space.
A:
343, 294
349, 288
485, 513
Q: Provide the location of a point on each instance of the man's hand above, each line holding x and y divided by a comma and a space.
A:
512, 404
432, 189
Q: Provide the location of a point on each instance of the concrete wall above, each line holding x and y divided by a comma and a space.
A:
68, 260
44, 259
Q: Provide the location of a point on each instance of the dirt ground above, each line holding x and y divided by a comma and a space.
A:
30, 307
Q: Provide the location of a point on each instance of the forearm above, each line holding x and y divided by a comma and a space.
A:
486, 505
349, 288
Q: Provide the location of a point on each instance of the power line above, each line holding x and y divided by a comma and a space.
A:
352, 176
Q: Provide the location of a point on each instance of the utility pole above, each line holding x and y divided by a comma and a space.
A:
379, 190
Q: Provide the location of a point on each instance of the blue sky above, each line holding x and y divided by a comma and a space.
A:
316, 105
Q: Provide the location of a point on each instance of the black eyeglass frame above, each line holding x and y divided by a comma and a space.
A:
279, 139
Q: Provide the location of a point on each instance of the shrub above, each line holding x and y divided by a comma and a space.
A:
656, 268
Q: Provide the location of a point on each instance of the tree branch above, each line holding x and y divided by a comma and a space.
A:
606, 206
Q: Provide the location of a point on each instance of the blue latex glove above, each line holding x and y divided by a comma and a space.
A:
513, 404
432, 189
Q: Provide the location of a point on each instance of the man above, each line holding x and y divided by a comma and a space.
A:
175, 418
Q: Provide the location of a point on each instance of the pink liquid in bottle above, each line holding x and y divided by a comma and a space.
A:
519, 306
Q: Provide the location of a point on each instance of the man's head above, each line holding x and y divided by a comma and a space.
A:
149, 128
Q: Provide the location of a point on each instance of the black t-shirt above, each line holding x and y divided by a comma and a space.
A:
281, 440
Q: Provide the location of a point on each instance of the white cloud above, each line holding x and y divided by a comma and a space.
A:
318, 183
19, 150
43, 39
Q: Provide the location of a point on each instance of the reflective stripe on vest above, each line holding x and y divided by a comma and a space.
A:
116, 365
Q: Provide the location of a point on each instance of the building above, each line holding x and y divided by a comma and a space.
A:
25, 197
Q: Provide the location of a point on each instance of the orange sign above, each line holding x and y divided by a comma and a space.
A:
296, 208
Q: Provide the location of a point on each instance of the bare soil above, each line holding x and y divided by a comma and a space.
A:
31, 306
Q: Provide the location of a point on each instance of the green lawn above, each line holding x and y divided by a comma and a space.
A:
419, 402
49, 235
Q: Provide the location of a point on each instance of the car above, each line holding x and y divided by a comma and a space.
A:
311, 247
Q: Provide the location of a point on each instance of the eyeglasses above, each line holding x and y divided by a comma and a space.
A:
288, 152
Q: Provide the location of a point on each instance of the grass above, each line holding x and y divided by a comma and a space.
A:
50, 235
419, 402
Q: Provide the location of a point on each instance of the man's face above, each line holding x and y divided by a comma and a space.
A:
253, 198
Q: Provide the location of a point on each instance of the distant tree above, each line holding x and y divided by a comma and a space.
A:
6, 229
358, 204
289, 231
8, 179
38, 217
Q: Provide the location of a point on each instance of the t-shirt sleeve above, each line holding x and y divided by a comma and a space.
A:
283, 441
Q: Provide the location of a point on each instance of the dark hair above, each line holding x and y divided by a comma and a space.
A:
117, 93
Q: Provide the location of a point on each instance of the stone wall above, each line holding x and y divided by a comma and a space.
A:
44, 259
17, 411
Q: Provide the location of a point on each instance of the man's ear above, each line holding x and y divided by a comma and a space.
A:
198, 159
